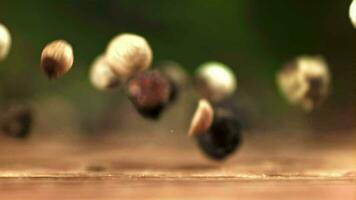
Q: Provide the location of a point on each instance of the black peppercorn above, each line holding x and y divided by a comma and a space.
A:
223, 137
16, 120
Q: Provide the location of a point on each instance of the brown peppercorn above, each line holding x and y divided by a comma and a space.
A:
57, 58
150, 93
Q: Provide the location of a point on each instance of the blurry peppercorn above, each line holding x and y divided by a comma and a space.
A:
202, 119
305, 82
57, 58
5, 42
215, 81
177, 75
223, 137
150, 92
352, 13
16, 120
101, 75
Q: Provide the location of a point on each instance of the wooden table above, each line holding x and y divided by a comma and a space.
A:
169, 166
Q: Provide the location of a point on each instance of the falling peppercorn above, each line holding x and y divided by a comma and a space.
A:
150, 92
16, 120
57, 58
215, 81
101, 75
305, 82
128, 54
223, 137
178, 77
5, 42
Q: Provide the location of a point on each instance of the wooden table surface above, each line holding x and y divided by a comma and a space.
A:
169, 166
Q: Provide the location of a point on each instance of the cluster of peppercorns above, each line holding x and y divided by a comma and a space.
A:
126, 64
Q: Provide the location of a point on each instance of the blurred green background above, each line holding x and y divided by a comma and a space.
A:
254, 37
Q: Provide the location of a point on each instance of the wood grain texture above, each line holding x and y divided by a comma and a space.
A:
169, 166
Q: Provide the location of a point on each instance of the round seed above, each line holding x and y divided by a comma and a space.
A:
305, 82
223, 137
177, 76
175, 73
5, 42
16, 120
215, 81
150, 93
352, 13
57, 58
101, 75
128, 54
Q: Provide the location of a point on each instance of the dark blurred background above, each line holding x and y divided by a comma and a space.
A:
254, 37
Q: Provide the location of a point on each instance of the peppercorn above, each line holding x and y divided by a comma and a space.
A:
16, 120
5, 42
223, 137
215, 81
305, 82
202, 119
352, 13
177, 76
150, 93
101, 75
128, 54
57, 58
